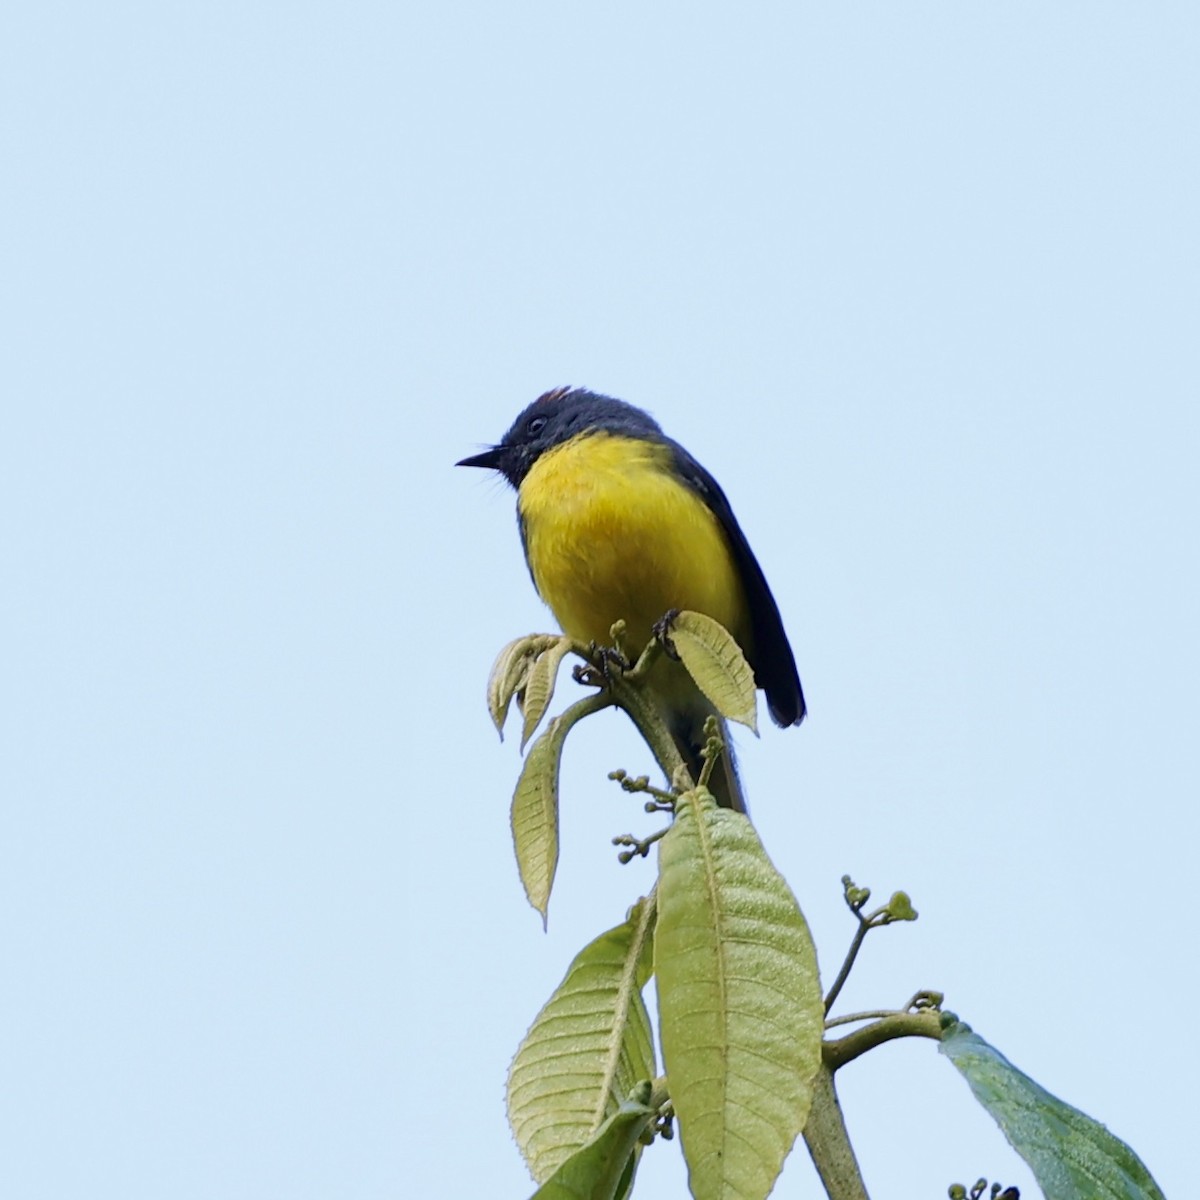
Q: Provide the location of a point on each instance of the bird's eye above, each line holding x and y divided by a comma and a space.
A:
535, 426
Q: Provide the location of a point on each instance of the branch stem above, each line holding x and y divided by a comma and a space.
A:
926, 1023
855, 946
628, 693
854, 1018
829, 1144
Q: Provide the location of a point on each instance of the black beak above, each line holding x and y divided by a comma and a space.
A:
489, 458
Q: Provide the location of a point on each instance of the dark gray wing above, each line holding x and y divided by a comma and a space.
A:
772, 659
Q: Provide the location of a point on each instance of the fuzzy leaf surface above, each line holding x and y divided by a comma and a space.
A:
508, 673
587, 1049
740, 1007
716, 662
539, 686
534, 815
603, 1168
1072, 1156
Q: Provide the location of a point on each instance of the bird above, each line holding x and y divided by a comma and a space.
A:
619, 522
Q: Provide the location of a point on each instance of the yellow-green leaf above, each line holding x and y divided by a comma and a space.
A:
539, 686
534, 813
603, 1168
740, 1007
534, 816
587, 1048
715, 661
510, 670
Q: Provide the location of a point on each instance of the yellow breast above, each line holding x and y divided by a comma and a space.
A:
611, 534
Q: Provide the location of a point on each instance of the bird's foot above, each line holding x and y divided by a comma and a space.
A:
662, 631
607, 662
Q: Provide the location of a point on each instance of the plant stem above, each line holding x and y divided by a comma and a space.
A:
851, 1018
851, 955
829, 1144
628, 694
926, 1023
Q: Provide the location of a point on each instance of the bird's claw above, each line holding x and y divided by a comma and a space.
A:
662, 631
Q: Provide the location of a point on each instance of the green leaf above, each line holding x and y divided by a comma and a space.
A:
1072, 1157
510, 670
603, 1168
587, 1048
539, 686
534, 814
715, 661
741, 1014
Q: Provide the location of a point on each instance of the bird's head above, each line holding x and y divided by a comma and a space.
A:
554, 418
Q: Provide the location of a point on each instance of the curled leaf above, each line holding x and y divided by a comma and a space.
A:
534, 816
716, 662
534, 813
509, 672
539, 686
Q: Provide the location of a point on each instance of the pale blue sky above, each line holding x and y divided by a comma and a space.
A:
917, 282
